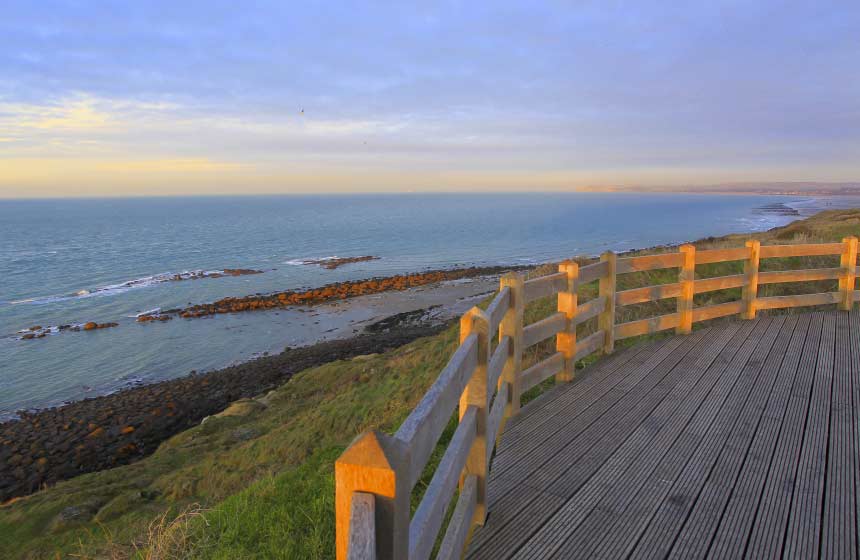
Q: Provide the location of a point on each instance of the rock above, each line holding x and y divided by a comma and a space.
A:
28, 336
36, 328
91, 326
73, 515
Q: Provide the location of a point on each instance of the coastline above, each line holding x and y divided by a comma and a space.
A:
50, 445
44, 446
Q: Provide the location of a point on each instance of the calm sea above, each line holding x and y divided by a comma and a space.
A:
72, 261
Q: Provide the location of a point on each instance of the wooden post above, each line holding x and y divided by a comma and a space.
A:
686, 278
849, 265
377, 464
477, 394
512, 326
606, 290
565, 341
750, 289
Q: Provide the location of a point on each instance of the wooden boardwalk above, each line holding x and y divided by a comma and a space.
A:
739, 440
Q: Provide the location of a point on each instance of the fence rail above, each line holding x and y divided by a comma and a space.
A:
376, 475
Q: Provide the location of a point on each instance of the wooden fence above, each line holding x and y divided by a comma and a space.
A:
375, 476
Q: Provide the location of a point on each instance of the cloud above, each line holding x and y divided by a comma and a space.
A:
590, 91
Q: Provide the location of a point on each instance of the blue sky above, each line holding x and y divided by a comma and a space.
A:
206, 97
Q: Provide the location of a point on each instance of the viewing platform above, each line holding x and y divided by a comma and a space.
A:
737, 439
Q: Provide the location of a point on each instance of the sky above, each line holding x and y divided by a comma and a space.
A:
121, 98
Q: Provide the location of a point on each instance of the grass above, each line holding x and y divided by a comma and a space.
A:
261, 486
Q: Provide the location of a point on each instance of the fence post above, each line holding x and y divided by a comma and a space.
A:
512, 326
686, 278
378, 464
606, 290
477, 394
565, 341
750, 289
849, 265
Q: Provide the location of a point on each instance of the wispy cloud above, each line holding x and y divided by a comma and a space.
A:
435, 95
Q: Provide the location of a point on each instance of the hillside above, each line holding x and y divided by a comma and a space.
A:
258, 480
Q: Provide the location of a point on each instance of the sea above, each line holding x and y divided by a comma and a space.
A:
67, 262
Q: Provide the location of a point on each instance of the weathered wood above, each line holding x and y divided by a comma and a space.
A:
722, 255
498, 307
686, 279
719, 283
649, 262
734, 529
362, 523
720, 452
750, 287
587, 434
588, 345
801, 300
848, 279
568, 304
543, 329
544, 286
377, 464
590, 309
593, 272
422, 428
606, 290
477, 395
647, 326
542, 370
810, 275
497, 362
647, 293
803, 534
460, 525
428, 518
803, 250
718, 310
512, 326
494, 420
839, 528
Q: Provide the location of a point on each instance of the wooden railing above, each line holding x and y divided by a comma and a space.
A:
375, 476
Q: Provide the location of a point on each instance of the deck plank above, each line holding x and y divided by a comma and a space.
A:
624, 513
694, 498
804, 523
838, 538
589, 449
644, 447
742, 440
733, 531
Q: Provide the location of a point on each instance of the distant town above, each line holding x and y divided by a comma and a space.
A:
786, 188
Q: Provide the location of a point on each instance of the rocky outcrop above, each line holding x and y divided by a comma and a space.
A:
330, 292
336, 262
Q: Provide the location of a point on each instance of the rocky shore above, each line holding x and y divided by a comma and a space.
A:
45, 447
329, 292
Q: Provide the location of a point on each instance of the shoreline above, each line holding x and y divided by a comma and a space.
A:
49, 445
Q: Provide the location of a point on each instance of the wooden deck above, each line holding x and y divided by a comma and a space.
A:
740, 440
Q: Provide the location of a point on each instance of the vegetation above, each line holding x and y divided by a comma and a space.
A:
261, 485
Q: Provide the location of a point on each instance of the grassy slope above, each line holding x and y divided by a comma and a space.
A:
264, 482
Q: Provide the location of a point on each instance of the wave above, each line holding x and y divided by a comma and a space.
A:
122, 287
311, 260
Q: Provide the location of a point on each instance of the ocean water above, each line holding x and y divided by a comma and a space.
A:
72, 261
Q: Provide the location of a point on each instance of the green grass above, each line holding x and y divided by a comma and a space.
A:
262, 486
